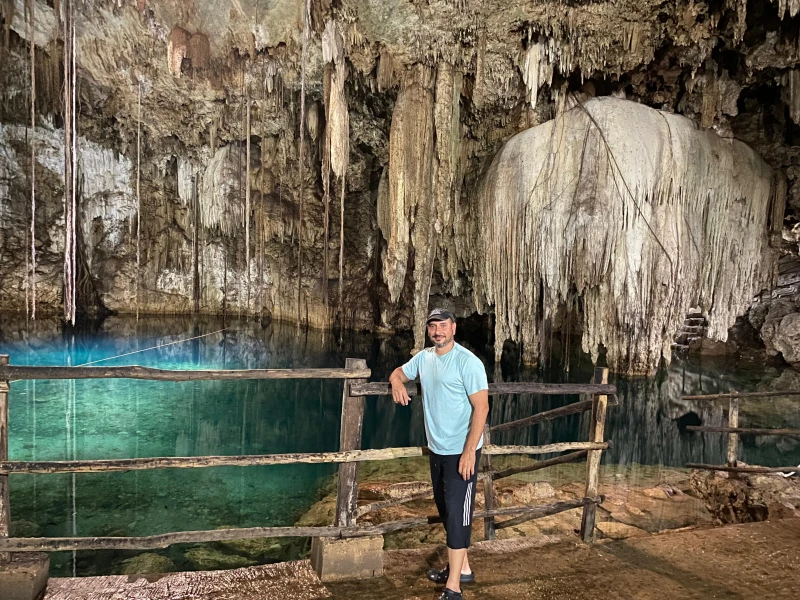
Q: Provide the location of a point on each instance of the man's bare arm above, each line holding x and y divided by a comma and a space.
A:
398, 380
480, 410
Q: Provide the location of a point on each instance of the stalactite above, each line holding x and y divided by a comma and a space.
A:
177, 49
247, 200
794, 95
337, 138
788, 8
411, 171
301, 157
387, 77
74, 114
326, 184
138, 194
536, 70
70, 162
638, 212
32, 280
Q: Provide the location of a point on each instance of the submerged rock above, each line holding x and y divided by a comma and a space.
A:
147, 563
205, 558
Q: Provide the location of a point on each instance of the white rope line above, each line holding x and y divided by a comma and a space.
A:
151, 348
197, 337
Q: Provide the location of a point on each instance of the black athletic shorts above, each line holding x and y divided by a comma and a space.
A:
454, 497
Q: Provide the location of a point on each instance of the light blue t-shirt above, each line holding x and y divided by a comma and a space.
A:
447, 382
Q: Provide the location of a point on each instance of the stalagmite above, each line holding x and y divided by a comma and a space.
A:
636, 211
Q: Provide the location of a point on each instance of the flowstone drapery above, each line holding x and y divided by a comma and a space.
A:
635, 213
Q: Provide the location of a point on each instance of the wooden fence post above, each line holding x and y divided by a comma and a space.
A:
596, 432
5, 511
488, 488
733, 438
350, 439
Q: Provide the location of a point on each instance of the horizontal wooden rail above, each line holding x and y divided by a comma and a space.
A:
742, 430
189, 462
563, 411
217, 535
543, 464
743, 395
414, 389
742, 469
558, 460
562, 506
373, 506
17, 372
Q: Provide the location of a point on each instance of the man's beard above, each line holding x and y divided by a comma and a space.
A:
442, 343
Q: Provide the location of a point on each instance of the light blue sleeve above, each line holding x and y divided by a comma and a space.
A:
473, 374
411, 368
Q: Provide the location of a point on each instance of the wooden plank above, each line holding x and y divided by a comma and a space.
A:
349, 439
552, 509
733, 439
382, 388
373, 506
563, 411
742, 469
745, 395
742, 430
216, 535
488, 487
136, 372
5, 508
558, 460
190, 462
546, 449
596, 433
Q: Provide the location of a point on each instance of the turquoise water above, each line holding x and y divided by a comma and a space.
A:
85, 419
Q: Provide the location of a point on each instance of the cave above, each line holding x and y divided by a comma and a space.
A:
282, 183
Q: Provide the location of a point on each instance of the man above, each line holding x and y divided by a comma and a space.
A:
455, 398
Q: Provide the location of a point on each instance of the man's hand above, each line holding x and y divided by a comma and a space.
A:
466, 464
399, 393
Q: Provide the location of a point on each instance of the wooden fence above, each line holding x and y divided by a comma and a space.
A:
356, 387
734, 431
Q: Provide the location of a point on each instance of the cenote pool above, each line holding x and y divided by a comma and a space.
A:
64, 420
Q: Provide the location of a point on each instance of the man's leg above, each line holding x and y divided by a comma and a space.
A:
460, 499
437, 482
456, 560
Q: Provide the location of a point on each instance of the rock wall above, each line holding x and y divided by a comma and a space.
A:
406, 103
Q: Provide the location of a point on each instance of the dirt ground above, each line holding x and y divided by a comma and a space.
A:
755, 560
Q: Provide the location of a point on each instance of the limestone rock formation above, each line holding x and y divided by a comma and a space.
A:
407, 103
747, 498
637, 215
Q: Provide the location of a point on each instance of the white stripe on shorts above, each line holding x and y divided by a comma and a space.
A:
467, 505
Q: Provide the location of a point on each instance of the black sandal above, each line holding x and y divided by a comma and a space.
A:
449, 594
440, 576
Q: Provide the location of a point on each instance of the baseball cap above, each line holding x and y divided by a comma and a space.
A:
440, 314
